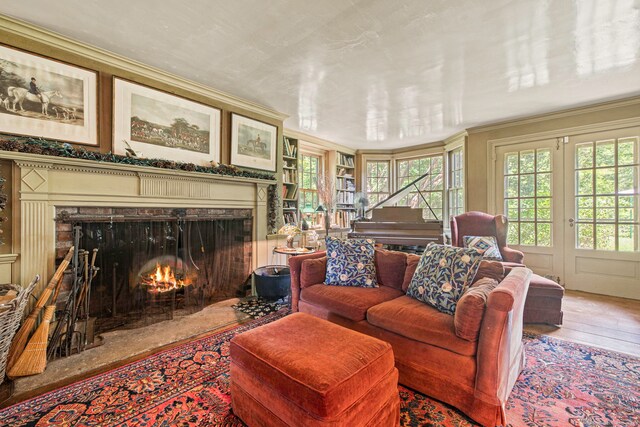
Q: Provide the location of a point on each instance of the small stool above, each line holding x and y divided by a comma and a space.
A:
305, 371
544, 301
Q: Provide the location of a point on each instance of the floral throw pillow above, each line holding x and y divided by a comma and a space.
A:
442, 276
350, 262
486, 245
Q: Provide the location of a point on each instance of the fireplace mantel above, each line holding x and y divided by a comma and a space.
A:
42, 183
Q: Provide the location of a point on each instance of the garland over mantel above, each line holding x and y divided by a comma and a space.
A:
25, 144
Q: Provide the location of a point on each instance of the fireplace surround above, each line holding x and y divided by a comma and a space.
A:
43, 186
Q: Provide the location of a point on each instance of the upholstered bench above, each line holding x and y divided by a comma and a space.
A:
305, 371
544, 301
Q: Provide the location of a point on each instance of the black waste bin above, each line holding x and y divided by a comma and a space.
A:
272, 281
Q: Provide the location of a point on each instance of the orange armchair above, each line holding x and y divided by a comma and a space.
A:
481, 224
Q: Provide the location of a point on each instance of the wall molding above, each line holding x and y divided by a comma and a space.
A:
41, 35
318, 142
594, 108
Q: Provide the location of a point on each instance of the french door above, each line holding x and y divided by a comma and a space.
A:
573, 208
602, 245
529, 194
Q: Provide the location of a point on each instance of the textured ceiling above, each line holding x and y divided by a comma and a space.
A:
374, 73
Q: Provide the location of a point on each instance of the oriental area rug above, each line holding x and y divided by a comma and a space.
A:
564, 384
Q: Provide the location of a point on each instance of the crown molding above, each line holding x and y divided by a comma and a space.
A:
328, 145
37, 34
635, 100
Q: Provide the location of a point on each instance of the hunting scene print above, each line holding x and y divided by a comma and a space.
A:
166, 125
35, 93
46, 98
254, 142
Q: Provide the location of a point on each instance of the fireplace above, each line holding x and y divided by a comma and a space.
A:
156, 263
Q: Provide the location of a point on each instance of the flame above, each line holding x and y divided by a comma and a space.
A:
163, 280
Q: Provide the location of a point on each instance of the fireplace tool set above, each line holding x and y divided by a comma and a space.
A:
70, 334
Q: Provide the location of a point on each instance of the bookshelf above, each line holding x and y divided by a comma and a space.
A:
345, 189
290, 180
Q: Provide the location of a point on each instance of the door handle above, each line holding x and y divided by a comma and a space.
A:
571, 221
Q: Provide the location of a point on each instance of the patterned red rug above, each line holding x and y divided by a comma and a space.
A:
564, 384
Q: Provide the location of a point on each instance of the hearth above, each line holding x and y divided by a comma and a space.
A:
156, 263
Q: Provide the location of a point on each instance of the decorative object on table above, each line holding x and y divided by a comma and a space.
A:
47, 98
325, 217
253, 143
154, 124
350, 262
486, 245
10, 316
258, 307
603, 389
291, 231
360, 202
327, 195
46, 147
442, 275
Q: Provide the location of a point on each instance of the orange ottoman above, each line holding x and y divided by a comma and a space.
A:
305, 371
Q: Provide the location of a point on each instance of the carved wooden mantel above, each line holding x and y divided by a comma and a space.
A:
42, 183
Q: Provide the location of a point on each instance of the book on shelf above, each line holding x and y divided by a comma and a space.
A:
290, 148
290, 192
290, 175
289, 218
345, 160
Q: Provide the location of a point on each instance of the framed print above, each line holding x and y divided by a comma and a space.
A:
47, 98
253, 143
149, 123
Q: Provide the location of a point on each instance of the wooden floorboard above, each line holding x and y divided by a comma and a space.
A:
598, 320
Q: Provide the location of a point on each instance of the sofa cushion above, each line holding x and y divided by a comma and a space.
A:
348, 301
350, 262
413, 319
491, 269
412, 263
390, 267
486, 245
443, 274
471, 307
312, 271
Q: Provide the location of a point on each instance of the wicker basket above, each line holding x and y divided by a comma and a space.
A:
10, 316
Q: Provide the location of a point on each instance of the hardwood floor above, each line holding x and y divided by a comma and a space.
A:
598, 320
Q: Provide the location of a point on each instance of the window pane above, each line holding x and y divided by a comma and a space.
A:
605, 153
511, 164
627, 237
543, 163
544, 234
527, 161
543, 185
527, 233
513, 233
511, 186
527, 186
585, 236
605, 237
627, 151
627, 177
605, 181
584, 180
584, 155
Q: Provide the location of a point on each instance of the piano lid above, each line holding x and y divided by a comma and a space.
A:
395, 197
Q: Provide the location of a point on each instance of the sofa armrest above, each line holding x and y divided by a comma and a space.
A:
295, 267
499, 359
512, 255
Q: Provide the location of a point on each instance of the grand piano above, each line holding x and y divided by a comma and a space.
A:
399, 227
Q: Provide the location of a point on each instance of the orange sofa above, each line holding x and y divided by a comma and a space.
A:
474, 374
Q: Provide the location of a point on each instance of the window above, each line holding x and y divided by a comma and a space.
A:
432, 186
455, 188
377, 181
309, 171
528, 196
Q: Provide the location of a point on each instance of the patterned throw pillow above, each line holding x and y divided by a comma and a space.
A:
486, 245
350, 262
442, 276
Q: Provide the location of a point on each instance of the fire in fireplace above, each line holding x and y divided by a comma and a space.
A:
156, 263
